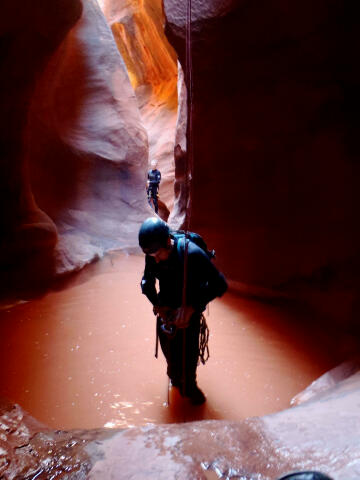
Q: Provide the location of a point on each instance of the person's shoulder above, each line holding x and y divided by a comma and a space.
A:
193, 249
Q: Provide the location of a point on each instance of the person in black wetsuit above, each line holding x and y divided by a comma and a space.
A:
178, 310
152, 187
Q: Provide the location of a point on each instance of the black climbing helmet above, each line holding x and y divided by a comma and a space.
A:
308, 475
153, 234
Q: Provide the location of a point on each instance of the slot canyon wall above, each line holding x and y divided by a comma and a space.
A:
138, 29
276, 155
274, 190
26, 46
74, 149
274, 137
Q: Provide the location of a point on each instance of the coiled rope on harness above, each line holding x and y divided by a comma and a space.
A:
204, 353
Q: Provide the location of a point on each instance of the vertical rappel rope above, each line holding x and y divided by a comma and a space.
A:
188, 173
189, 143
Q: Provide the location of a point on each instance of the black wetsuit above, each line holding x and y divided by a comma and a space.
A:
204, 283
154, 178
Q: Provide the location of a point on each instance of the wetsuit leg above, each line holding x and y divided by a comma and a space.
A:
191, 354
156, 205
148, 191
173, 350
154, 196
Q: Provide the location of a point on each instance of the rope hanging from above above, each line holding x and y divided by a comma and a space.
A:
189, 140
188, 170
189, 135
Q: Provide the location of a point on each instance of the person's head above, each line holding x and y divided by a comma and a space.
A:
153, 164
154, 238
308, 475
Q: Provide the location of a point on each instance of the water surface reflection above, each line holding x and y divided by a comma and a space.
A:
83, 357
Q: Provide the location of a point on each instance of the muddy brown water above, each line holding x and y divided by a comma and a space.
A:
83, 356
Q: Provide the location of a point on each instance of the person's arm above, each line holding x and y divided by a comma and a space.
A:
205, 283
211, 282
148, 283
215, 287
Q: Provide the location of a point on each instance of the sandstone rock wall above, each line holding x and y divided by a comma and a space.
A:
74, 147
274, 129
138, 29
87, 144
29, 34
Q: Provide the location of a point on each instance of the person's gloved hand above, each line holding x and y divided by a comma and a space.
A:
164, 312
182, 316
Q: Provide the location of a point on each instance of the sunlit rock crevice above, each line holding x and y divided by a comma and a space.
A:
138, 29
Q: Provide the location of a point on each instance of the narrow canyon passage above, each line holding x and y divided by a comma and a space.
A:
83, 356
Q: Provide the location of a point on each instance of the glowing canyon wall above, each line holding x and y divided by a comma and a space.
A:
74, 148
138, 29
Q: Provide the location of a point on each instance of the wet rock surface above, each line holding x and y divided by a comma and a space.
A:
29, 450
264, 448
299, 438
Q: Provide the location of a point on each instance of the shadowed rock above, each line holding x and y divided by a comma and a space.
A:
29, 35
274, 137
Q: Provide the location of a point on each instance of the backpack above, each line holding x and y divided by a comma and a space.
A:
195, 238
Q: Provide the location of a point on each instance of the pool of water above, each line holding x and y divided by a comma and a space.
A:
83, 356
